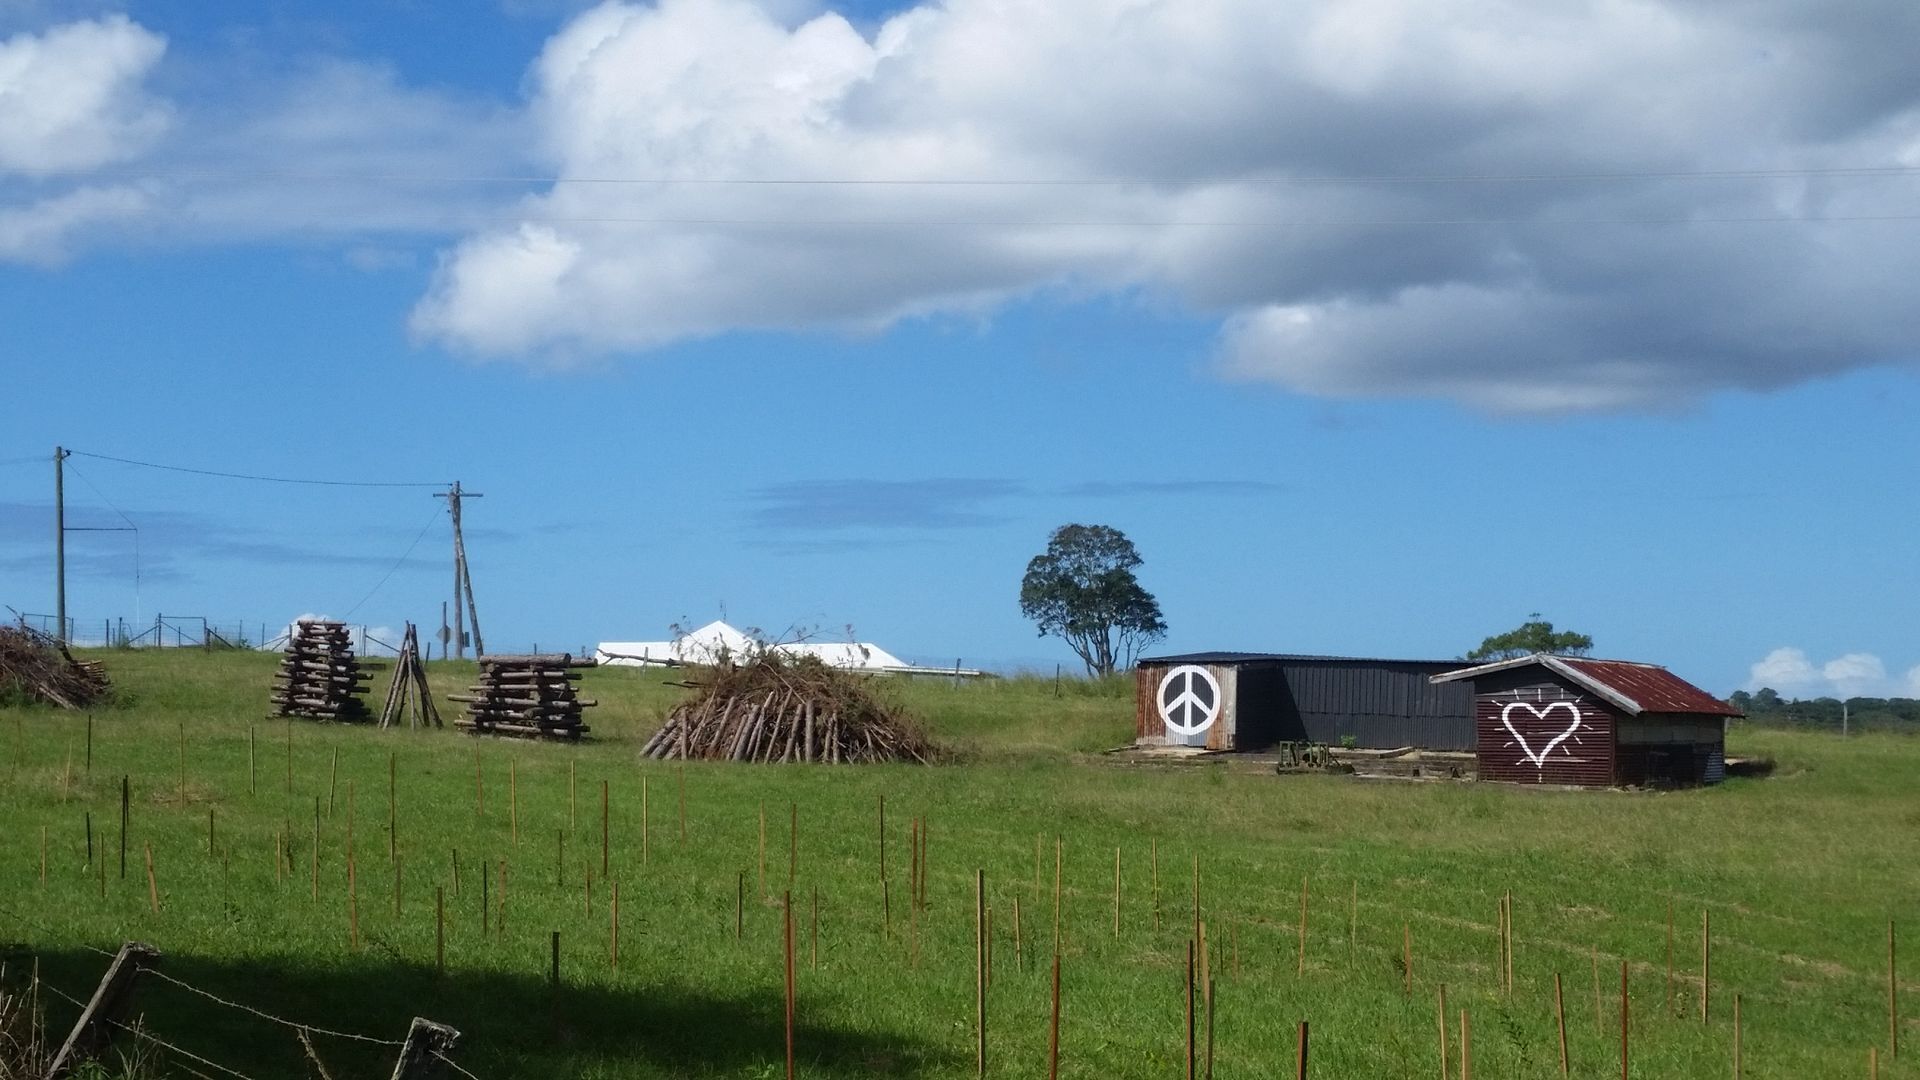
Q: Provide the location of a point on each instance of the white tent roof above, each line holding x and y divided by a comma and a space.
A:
702, 646
707, 644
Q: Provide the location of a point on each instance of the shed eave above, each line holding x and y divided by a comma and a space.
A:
1557, 666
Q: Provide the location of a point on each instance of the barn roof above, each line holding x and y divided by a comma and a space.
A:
1636, 687
1284, 658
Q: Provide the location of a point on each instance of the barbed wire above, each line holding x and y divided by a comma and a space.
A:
454, 1065
294, 1024
142, 1033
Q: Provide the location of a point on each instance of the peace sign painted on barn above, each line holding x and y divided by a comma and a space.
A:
1189, 701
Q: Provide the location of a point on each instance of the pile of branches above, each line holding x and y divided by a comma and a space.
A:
37, 667
773, 708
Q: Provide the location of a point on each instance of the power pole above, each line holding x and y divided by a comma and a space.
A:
462, 581
60, 544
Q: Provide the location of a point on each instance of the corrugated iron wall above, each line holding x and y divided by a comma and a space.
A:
1147, 723
1545, 735
1380, 706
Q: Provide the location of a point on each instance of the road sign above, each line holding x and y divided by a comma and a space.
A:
1189, 700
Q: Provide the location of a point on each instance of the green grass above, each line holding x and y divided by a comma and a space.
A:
1800, 872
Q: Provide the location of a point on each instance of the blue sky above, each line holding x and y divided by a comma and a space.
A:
1670, 408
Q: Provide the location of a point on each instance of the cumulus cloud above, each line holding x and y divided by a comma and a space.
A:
1185, 151
42, 231
73, 96
1857, 674
315, 146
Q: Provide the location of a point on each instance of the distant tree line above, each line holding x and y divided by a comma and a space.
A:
1766, 706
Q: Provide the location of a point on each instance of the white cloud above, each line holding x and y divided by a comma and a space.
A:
1856, 674
73, 96
42, 231
1785, 669
1165, 119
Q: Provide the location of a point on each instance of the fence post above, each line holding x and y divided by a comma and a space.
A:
94, 1029
420, 1054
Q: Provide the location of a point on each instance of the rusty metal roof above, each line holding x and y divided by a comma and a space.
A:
1635, 687
1652, 688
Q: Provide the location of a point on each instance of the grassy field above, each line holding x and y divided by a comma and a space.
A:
1800, 873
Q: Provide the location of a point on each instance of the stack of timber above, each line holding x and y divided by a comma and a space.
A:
774, 709
320, 678
408, 698
531, 696
37, 667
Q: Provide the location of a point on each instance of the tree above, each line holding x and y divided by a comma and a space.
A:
1536, 635
1082, 589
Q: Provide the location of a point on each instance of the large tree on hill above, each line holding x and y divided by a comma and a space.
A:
1082, 590
1536, 635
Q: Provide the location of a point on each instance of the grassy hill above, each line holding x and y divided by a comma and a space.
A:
1800, 873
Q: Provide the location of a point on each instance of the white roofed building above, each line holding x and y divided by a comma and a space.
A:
716, 639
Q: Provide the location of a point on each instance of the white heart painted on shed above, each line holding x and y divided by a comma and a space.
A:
1540, 759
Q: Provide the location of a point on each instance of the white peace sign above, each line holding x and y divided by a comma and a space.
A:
1189, 699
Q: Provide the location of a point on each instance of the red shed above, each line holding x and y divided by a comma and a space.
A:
1545, 719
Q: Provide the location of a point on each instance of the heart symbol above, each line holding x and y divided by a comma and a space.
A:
1540, 759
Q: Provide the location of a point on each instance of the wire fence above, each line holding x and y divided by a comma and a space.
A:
202, 632
190, 1061
193, 632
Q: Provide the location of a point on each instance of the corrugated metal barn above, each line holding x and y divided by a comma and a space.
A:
1595, 723
1247, 701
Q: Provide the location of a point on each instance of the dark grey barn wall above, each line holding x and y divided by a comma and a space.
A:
1381, 706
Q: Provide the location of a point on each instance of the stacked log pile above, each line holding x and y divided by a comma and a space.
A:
319, 677
37, 667
531, 696
774, 709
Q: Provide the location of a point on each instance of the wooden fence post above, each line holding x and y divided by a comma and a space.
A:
420, 1056
94, 1029
1053, 1026
787, 914
1443, 1031
1736, 1037
980, 970
1300, 1061
1466, 1047
1706, 962
1560, 1021
1623, 1020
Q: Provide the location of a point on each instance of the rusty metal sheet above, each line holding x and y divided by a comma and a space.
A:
1653, 689
1545, 736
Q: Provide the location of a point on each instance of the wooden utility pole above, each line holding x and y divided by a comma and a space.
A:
60, 544
462, 579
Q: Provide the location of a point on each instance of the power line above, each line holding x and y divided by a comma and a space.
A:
1839, 171
1387, 223
130, 525
396, 564
248, 476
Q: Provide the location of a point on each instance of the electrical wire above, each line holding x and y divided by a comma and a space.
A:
437, 511
249, 476
1337, 223
1838, 171
137, 606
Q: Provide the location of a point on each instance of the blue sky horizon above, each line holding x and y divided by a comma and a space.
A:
1377, 326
